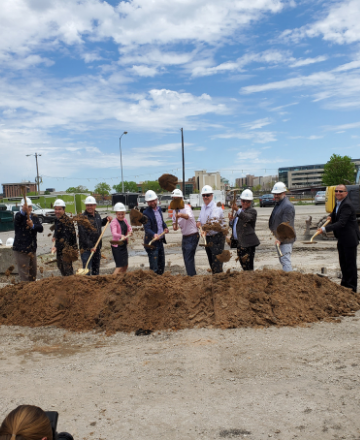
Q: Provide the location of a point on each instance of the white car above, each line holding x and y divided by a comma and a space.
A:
44, 215
319, 197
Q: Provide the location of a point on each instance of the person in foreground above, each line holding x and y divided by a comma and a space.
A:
26, 226
345, 228
120, 228
190, 235
155, 227
243, 226
283, 212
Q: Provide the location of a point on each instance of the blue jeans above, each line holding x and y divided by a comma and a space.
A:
157, 258
189, 245
94, 264
285, 260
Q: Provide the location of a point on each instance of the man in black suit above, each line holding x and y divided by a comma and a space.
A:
345, 228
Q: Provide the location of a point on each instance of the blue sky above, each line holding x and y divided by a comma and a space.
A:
256, 85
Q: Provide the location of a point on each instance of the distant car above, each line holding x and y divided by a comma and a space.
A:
44, 215
267, 200
319, 197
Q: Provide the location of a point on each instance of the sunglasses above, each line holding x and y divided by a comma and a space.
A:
339, 191
207, 195
245, 201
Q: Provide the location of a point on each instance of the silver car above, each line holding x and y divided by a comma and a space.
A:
320, 197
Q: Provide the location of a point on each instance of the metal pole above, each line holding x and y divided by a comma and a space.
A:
121, 165
183, 159
37, 172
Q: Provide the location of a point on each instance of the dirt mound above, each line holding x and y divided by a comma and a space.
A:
142, 300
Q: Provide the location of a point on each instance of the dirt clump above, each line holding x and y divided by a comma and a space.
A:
137, 218
9, 270
143, 300
224, 257
70, 254
168, 182
216, 226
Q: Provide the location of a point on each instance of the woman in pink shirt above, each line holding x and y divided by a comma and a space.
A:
120, 228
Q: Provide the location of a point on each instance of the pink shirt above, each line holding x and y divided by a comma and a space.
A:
188, 226
116, 229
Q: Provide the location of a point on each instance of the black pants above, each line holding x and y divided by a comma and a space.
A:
66, 268
246, 257
347, 258
216, 246
94, 264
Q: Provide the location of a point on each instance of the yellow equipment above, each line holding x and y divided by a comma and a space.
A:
330, 199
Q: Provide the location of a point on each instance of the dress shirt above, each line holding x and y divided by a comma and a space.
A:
211, 212
158, 220
235, 223
187, 226
338, 203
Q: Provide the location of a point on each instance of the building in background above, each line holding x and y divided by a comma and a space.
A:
265, 182
203, 178
241, 182
14, 189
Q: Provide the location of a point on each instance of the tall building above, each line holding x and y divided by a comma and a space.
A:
14, 189
245, 181
203, 178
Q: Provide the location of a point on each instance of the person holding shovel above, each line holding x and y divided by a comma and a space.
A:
155, 229
184, 218
64, 239
121, 231
215, 240
243, 226
26, 226
89, 232
283, 212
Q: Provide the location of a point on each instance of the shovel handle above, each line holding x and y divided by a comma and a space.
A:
204, 237
279, 250
318, 233
96, 244
154, 239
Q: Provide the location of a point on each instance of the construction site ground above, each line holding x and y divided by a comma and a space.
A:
202, 383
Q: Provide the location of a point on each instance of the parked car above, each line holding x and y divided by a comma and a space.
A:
141, 203
44, 215
267, 200
319, 197
164, 201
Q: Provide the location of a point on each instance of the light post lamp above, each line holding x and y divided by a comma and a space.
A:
37, 170
121, 165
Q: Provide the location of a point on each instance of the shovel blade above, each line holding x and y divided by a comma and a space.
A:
82, 272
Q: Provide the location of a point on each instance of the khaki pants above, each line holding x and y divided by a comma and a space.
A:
27, 265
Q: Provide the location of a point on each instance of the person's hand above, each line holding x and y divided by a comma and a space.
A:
234, 207
53, 239
93, 249
156, 236
30, 223
166, 230
175, 226
231, 217
178, 215
320, 231
277, 242
198, 225
203, 234
109, 218
328, 219
53, 250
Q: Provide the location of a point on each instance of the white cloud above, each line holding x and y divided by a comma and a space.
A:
311, 138
159, 148
144, 70
307, 61
259, 137
255, 157
259, 123
343, 126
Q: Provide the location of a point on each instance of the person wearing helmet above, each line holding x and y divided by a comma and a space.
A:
89, 225
243, 227
190, 235
26, 226
154, 227
120, 228
64, 240
283, 212
210, 212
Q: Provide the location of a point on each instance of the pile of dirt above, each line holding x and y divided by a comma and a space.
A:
216, 226
142, 300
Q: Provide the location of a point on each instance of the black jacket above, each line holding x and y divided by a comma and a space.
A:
64, 233
151, 227
245, 228
87, 236
344, 224
25, 238
283, 212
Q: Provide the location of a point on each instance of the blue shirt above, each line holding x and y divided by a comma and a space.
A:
158, 220
24, 213
235, 223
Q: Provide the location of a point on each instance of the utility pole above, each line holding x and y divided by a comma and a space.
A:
183, 159
121, 165
37, 170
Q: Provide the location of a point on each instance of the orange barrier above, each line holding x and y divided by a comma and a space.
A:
170, 212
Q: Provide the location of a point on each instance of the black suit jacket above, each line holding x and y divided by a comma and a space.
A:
344, 224
151, 227
245, 228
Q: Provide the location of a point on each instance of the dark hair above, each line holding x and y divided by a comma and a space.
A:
26, 422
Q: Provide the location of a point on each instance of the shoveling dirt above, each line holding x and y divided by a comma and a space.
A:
168, 182
224, 257
135, 301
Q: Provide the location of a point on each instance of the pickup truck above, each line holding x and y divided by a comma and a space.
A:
44, 215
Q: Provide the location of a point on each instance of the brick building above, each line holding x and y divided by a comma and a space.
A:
14, 189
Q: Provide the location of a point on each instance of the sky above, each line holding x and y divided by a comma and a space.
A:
255, 85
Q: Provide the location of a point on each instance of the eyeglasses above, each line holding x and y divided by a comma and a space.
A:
207, 195
339, 191
245, 201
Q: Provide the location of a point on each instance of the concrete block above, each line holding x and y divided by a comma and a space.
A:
7, 259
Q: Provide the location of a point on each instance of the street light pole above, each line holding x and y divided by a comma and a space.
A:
183, 159
37, 170
121, 165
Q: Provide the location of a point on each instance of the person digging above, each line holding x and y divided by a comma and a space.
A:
64, 240
215, 240
121, 231
89, 233
155, 229
184, 218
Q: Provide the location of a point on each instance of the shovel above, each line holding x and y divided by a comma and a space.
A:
205, 243
177, 204
316, 233
120, 242
86, 270
149, 246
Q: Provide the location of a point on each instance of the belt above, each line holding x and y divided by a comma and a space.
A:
191, 235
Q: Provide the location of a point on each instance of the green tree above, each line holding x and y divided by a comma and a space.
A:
153, 185
257, 188
129, 186
338, 170
77, 189
103, 189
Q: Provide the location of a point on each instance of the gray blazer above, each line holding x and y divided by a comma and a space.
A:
285, 212
245, 228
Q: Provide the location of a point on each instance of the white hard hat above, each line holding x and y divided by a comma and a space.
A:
28, 202
90, 200
177, 193
150, 196
119, 207
247, 195
0, 241
9, 241
59, 202
207, 190
279, 188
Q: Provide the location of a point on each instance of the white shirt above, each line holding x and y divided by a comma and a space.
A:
187, 226
211, 212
